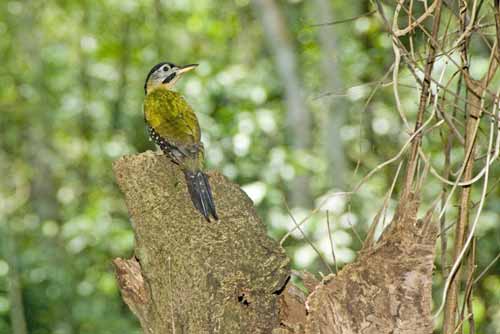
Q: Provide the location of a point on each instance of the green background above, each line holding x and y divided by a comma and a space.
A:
71, 91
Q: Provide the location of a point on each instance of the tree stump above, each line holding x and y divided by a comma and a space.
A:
188, 275
191, 276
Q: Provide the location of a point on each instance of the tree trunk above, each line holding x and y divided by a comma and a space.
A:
190, 276
388, 289
17, 318
298, 119
335, 108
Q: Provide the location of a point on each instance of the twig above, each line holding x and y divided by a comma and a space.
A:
371, 231
488, 267
307, 239
341, 21
468, 288
331, 241
424, 95
313, 212
458, 259
401, 32
460, 323
407, 143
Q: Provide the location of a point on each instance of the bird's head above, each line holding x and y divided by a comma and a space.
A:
165, 75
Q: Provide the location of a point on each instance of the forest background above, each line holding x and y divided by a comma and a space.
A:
295, 104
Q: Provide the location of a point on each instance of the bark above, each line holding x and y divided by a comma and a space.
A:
190, 276
298, 119
388, 288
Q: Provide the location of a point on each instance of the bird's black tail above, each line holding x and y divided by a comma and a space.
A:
201, 194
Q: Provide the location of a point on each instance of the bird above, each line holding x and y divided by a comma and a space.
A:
173, 126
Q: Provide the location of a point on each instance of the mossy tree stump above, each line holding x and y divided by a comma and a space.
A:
191, 276
188, 275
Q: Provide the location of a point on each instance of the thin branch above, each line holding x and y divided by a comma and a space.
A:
370, 236
331, 241
401, 32
341, 21
459, 258
488, 267
307, 239
424, 95
467, 304
312, 213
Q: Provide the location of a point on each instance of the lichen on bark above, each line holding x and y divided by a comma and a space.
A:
191, 276
197, 277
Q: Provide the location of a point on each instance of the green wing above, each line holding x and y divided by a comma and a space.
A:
172, 118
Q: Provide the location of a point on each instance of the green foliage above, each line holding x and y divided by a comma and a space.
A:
71, 91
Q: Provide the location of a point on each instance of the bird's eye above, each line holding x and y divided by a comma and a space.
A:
165, 68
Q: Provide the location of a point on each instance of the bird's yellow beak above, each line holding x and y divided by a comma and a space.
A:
187, 68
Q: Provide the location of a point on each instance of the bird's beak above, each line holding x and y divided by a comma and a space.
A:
187, 68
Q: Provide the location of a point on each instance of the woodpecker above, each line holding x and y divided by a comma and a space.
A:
173, 126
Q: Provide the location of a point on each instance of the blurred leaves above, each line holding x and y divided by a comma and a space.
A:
71, 90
